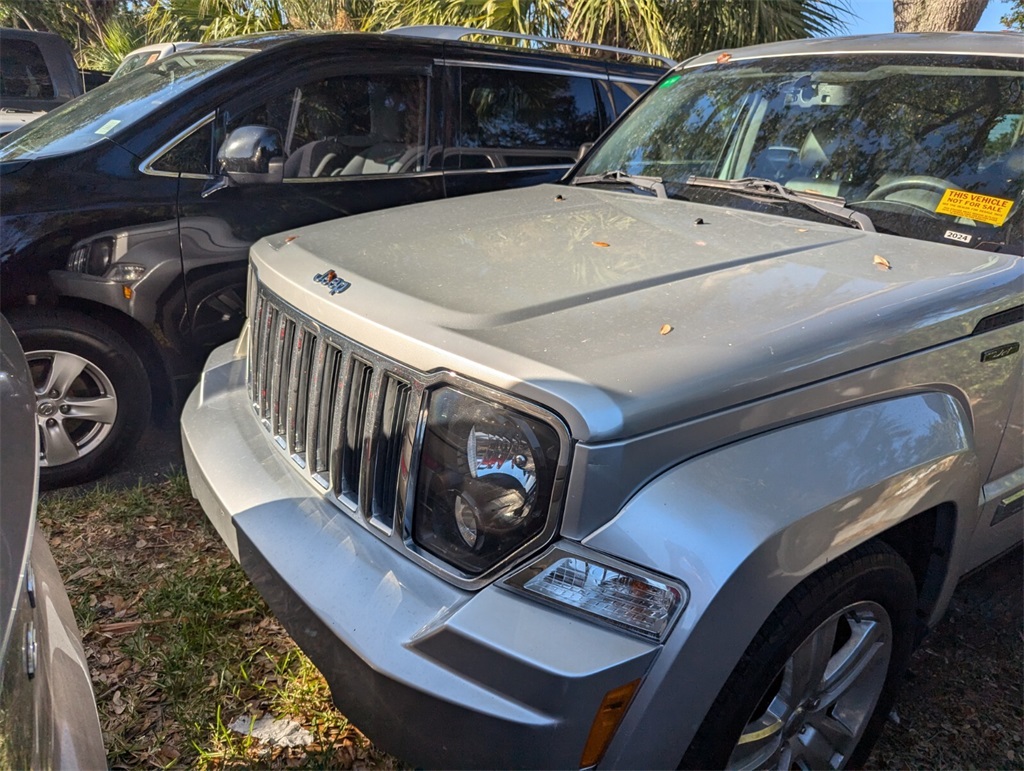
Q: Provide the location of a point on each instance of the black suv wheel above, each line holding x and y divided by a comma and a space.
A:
92, 394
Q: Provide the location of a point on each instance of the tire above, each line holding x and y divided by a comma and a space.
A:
93, 395
814, 687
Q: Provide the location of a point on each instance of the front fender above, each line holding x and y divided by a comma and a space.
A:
744, 524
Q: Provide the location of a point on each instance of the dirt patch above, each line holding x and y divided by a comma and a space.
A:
961, 704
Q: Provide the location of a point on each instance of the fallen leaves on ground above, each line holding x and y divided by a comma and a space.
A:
179, 644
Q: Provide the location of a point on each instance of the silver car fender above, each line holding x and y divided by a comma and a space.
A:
742, 525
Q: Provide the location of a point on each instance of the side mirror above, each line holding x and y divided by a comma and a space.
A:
252, 155
584, 149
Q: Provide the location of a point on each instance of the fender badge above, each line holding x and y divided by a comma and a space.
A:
332, 281
1001, 352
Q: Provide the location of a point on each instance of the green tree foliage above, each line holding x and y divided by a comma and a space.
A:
678, 28
695, 26
120, 35
326, 14
205, 20
103, 31
100, 32
1014, 18
77, 21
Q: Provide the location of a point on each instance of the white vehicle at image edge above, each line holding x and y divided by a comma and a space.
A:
140, 57
670, 464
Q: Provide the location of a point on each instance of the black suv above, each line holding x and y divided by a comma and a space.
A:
128, 213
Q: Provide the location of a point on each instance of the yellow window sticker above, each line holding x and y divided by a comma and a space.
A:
973, 206
107, 127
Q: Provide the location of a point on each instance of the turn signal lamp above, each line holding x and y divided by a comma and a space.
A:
609, 592
606, 721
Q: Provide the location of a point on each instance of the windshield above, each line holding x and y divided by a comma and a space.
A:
132, 62
113, 107
926, 146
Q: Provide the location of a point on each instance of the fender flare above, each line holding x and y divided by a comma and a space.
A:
742, 525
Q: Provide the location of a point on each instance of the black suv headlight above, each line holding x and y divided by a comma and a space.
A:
486, 481
100, 257
93, 257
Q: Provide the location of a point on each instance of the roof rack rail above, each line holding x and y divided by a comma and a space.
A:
444, 32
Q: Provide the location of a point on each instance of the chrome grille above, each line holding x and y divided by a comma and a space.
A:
342, 413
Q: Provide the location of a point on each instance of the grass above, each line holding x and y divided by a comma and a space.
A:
180, 645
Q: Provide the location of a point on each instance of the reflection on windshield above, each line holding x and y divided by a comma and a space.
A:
923, 145
111, 108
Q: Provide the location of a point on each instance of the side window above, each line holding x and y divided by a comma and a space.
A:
23, 73
275, 112
624, 94
359, 124
192, 155
525, 118
346, 125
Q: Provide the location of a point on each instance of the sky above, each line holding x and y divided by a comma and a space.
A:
876, 16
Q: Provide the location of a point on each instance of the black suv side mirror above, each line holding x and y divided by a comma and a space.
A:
252, 155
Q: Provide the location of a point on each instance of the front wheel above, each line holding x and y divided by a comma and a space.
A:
814, 687
92, 394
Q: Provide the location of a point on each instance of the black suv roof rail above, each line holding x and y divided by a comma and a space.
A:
445, 32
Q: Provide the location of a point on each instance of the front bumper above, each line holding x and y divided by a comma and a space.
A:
437, 675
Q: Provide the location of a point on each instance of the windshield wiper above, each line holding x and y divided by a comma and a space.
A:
831, 206
652, 184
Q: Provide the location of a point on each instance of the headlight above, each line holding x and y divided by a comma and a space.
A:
92, 257
100, 254
485, 480
99, 258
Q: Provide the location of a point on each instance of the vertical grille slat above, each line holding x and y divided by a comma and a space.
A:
265, 362
315, 408
328, 392
283, 349
340, 412
299, 376
256, 323
394, 406
360, 381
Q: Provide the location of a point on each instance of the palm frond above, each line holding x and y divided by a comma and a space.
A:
625, 23
120, 36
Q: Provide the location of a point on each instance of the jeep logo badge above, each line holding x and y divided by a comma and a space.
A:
332, 281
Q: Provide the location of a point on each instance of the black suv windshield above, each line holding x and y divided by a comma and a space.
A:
112, 108
927, 147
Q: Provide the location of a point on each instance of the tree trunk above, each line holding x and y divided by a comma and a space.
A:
937, 15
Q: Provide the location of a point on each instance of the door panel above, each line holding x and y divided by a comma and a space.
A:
1002, 514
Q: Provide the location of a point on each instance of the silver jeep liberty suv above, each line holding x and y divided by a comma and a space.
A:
670, 464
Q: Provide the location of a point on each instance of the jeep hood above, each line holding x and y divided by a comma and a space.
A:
620, 311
